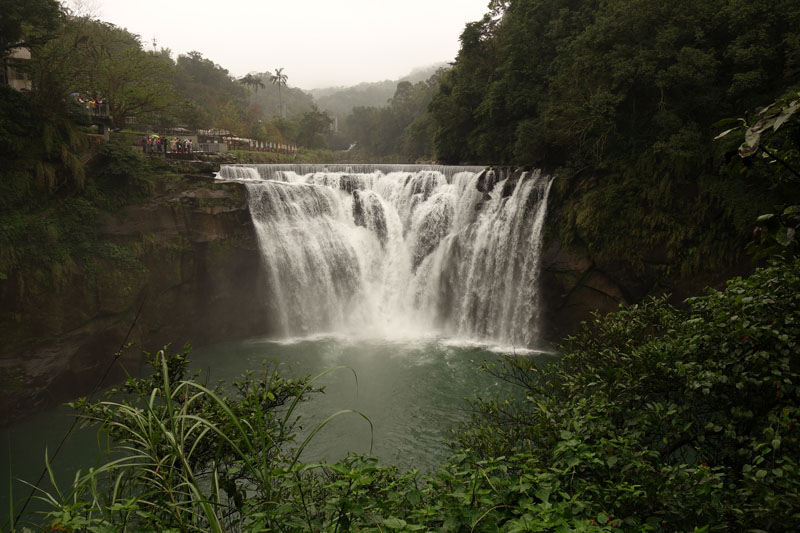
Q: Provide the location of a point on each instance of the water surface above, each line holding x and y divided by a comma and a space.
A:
412, 390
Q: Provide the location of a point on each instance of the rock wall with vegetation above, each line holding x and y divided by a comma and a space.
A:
581, 276
163, 266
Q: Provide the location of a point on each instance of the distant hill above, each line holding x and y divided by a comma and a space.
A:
339, 101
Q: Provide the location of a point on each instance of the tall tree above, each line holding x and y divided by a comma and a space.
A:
253, 82
133, 81
27, 23
279, 78
312, 127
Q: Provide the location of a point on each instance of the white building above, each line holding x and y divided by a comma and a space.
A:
10, 76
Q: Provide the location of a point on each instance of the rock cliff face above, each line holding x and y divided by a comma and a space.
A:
196, 275
577, 280
575, 285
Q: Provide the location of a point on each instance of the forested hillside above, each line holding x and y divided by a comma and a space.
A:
583, 83
622, 98
340, 101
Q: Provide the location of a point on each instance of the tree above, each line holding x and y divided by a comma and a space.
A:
279, 78
253, 82
208, 87
26, 24
100, 60
311, 128
229, 119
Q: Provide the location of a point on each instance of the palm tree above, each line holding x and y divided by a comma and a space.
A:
252, 81
279, 78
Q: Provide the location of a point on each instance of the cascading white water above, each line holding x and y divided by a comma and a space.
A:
399, 249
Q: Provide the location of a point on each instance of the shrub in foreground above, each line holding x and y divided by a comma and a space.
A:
664, 418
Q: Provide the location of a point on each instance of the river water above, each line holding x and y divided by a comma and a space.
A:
412, 390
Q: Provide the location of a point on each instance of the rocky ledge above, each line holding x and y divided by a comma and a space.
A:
186, 249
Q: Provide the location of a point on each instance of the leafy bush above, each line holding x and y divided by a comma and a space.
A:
667, 418
121, 176
769, 154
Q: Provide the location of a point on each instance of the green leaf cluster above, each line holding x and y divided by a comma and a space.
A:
668, 418
770, 152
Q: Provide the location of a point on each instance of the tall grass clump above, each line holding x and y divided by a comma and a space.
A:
183, 456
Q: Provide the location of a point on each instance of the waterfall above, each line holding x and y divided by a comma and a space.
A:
388, 249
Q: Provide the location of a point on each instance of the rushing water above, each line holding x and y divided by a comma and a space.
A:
413, 250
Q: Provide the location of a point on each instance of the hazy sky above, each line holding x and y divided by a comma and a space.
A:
319, 43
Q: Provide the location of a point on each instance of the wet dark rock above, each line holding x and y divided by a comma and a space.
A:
486, 181
349, 184
577, 282
511, 182
368, 213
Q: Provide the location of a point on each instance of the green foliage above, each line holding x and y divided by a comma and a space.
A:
121, 175
773, 157
619, 98
601, 80
401, 128
207, 87
311, 129
41, 149
27, 24
189, 457
99, 60
253, 82
663, 416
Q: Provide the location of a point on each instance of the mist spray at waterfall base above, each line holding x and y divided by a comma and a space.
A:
411, 276
400, 251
